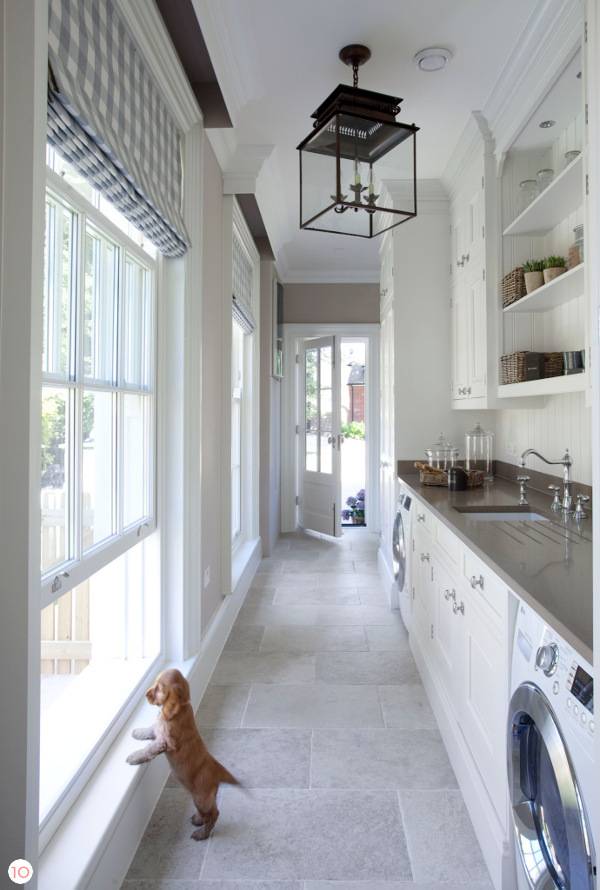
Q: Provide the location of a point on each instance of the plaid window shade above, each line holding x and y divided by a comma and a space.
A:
242, 275
106, 116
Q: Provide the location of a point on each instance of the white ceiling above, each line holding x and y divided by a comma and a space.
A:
279, 60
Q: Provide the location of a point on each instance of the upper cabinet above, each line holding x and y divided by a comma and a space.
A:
542, 189
471, 184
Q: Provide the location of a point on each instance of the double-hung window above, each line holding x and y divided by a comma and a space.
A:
100, 595
238, 337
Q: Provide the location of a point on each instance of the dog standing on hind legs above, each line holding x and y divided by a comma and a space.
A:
175, 734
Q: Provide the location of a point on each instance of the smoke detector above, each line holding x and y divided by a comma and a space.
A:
433, 58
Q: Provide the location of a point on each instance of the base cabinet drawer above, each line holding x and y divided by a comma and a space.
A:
486, 586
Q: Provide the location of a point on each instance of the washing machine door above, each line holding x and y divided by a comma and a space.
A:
552, 835
399, 550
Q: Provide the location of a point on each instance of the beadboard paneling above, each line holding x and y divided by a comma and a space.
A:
563, 422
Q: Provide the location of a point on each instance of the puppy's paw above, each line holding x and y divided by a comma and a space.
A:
196, 819
202, 834
136, 759
142, 735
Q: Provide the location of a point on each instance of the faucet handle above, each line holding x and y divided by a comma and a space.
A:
579, 511
523, 480
555, 505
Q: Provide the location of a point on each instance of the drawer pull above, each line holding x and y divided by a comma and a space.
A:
420, 517
456, 608
477, 582
450, 595
425, 557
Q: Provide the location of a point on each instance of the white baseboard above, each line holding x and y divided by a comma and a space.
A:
495, 846
94, 846
387, 579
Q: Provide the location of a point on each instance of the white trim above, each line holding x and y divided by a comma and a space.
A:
97, 840
292, 333
149, 32
361, 276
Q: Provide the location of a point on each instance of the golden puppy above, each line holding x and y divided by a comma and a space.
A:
176, 735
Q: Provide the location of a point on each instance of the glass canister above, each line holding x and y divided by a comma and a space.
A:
442, 454
479, 448
544, 178
528, 191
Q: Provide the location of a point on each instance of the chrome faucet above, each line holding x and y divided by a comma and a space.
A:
566, 463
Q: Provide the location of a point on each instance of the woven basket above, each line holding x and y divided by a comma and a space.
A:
513, 286
553, 364
512, 368
475, 478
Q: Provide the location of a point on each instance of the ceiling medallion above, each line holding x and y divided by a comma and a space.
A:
340, 159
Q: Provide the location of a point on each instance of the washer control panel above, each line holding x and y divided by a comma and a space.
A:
567, 679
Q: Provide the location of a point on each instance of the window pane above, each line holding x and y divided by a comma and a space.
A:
136, 354
136, 457
55, 479
59, 254
96, 646
101, 276
237, 381
312, 410
326, 409
98, 467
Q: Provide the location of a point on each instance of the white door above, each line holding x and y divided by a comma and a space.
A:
321, 488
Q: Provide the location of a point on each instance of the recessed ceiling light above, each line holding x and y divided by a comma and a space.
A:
545, 125
433, 58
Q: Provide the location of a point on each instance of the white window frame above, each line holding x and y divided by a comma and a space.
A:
238, 395
75, 570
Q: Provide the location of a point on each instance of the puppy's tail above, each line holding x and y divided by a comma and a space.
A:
225, 776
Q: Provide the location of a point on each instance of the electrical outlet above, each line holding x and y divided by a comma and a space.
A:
206, 577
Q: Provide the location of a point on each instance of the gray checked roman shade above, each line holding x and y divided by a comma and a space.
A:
107, 117
242, 286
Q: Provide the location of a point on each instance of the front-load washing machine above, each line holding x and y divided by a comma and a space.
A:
551, 770
402, 552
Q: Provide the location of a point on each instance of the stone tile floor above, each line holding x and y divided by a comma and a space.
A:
316, 705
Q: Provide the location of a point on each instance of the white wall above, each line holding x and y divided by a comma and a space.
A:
422, 352
212, 402
270, 418
563, 422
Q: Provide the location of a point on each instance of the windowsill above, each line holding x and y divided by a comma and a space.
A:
240, 560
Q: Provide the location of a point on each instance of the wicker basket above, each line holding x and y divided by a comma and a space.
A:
553, 364
512, 368
475, 478
513, 286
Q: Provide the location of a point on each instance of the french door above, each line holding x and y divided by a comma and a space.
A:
321, 440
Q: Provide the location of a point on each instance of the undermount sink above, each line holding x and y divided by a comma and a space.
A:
502, 514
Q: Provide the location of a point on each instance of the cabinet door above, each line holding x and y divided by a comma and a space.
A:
474, 232
446, 629
477, 338
484, 699
422, 614
460, 343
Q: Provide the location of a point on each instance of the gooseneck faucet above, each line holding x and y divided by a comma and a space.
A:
566, 463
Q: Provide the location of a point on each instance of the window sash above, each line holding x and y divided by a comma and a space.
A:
80, 563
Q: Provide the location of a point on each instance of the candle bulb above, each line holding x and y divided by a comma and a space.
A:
356, 172
371, 189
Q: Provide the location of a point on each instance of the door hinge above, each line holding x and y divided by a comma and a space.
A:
432, 573
297, 500
483, 182
587, 183
413, 592
586, 113
585, 32
431, 631
297, 430
483, 231
297, 359
483, 274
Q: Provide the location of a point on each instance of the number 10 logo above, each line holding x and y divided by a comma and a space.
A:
20, 871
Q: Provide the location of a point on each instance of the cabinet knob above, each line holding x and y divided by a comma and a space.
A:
477, 582
420, 517
425, 557
458, 608
467, 390
450, 595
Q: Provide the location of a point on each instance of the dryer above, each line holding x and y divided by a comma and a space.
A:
551, 769
402, 553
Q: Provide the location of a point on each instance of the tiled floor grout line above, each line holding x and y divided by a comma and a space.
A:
243, 717
405, 833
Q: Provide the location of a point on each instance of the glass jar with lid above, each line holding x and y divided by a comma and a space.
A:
528, 191
442, 454
479, 447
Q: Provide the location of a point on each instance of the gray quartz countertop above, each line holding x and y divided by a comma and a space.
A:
547, 564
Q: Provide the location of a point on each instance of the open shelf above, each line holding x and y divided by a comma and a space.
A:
547, 386
555, 203
563, 289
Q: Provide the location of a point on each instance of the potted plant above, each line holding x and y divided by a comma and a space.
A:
534, 276
553, 267
356, 512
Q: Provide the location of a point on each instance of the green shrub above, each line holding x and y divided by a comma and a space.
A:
533, 266
555, 262
354, 430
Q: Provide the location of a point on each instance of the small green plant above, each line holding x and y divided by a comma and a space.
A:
533, 266
555, 262
354, 430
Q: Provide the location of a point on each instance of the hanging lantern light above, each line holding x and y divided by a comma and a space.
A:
354, 136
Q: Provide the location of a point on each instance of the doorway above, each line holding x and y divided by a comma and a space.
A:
330, 428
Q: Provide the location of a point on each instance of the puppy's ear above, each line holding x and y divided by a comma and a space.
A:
172, 704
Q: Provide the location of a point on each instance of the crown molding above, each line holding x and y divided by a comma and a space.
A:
550, 38
475, 136
432, 196
243, 169
145, 24
356, 276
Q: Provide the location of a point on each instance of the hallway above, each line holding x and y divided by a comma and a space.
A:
317, 707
